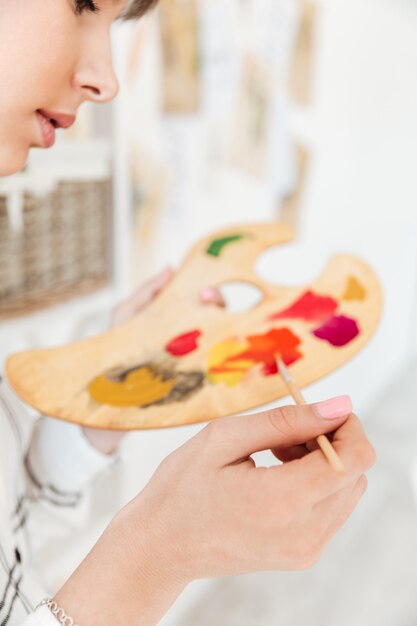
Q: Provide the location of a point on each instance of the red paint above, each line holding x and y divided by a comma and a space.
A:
338, 331
184, 344
264, 349
271, 369
310, 307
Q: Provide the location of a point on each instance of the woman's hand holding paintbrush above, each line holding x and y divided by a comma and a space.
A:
323, 442
209, 511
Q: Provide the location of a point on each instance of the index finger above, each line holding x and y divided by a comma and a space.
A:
314, 472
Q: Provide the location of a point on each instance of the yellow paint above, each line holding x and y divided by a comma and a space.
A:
354, 290
231, 379
223, 351
140, 388
242, 365
221, 369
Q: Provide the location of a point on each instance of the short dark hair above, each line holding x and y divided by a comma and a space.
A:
137, 8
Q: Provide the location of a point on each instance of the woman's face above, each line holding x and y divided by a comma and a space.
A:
54, 55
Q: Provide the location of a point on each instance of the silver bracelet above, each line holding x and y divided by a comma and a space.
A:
59, 613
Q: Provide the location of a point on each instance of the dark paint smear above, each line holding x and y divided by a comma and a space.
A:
184, 344
310, 307
186, 385
338, 331
216, 247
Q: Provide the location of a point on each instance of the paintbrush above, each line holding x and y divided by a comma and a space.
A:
325, 445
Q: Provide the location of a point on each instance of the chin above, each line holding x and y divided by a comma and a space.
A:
12, 160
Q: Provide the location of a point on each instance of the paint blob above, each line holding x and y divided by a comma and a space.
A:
339, 330
221, 368
183, 344
141, 387
186, 385
232, 360
144, 386
310, 308
354, 290
217, 246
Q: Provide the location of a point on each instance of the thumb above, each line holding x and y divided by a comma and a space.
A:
150, 289
239, 437
212, 295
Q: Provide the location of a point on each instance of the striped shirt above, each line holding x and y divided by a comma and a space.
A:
48, 521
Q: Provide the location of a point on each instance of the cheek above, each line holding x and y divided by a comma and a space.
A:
39, 44
46, 81
38, 51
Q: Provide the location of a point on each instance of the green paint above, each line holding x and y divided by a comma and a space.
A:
216, 246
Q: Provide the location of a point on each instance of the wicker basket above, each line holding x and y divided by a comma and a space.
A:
62, 250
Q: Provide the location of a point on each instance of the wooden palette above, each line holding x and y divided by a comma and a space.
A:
181, 362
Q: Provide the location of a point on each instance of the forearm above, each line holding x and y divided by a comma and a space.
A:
121, 582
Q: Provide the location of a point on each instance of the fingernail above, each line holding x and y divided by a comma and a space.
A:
207, 294
165, 276
210, 295
341, 406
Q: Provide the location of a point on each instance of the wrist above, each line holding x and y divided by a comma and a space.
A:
154, 551
105, 441
135, 577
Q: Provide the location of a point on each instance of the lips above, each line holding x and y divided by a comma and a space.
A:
49, 121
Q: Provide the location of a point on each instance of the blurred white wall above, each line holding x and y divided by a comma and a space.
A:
362, 194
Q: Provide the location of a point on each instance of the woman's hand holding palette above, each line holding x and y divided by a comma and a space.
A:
179, 362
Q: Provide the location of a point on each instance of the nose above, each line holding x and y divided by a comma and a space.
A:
94, 76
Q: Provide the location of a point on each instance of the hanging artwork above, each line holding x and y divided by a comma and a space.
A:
250, 143
180, 362
180, 55
302, 67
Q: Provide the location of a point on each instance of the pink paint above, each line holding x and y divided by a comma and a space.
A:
310, 307
183, 344
339, 330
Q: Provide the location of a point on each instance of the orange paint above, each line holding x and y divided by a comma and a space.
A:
239, 358
264, 349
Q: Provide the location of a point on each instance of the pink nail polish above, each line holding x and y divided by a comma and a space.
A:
341, 406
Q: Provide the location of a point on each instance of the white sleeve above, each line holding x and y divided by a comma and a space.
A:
72, 496
41, 617
57, 495
61, 461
